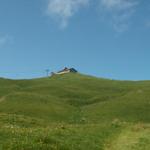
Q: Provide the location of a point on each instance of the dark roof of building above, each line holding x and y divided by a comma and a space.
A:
73, 70
67, 69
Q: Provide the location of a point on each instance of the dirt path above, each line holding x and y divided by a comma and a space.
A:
2, 98
132, 138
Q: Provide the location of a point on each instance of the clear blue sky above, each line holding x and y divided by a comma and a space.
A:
104, 38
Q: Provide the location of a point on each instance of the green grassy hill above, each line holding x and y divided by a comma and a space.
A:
74, 112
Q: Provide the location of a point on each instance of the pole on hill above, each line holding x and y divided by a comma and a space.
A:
47, 72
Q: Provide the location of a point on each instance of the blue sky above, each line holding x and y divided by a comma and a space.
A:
104, 38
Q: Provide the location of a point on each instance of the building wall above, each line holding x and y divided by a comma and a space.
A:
63, 72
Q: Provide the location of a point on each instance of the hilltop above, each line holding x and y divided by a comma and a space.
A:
74, 112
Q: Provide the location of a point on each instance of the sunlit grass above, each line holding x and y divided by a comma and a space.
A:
74, 112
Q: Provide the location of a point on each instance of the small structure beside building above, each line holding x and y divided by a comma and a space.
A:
64, 71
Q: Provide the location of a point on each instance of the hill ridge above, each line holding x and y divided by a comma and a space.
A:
73, 111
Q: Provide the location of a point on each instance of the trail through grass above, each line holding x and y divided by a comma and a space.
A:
136, 137
2, 99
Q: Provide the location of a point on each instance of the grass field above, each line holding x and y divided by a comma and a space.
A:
74, 112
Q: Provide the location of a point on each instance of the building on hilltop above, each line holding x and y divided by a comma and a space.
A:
64, 71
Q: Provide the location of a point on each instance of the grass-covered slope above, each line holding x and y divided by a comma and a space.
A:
74, 112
